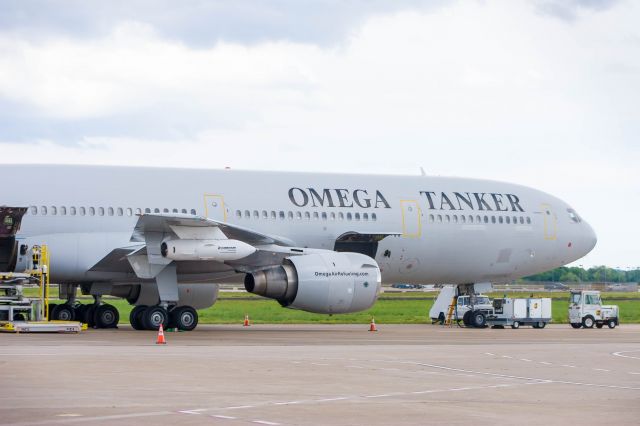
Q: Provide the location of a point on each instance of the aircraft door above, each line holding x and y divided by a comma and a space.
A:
550, 222
411, 226
214, 207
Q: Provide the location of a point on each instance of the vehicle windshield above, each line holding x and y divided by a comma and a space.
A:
575, 298
482, 301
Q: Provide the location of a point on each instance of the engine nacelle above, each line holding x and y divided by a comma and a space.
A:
198, 296
219, 250
324, 283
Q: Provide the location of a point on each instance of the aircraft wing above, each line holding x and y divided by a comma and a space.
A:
145, 256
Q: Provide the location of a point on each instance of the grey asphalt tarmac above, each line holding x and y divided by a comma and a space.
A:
323, 374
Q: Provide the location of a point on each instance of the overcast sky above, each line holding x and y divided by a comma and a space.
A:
542, 93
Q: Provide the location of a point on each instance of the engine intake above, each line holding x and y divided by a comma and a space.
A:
326, 283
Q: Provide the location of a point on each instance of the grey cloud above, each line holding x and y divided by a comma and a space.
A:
568, 10
199, 22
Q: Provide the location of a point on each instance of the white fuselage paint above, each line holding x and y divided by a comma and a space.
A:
435, 245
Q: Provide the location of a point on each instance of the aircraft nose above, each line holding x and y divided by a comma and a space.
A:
590, 238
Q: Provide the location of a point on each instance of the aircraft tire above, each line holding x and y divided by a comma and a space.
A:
185, 318
135, 317
153, 316
106, 316
52, 306
79, 311
63, 312
87, 315
588, 321
576, 325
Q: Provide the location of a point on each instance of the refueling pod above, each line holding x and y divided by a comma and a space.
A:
219, 250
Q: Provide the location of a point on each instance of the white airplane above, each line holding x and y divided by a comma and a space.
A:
163, 238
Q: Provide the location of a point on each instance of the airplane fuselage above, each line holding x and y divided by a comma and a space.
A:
450, 230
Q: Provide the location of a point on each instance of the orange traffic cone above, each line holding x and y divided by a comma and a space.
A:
160, 340
246, 321
372, 327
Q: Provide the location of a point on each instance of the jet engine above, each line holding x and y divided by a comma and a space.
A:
324, 283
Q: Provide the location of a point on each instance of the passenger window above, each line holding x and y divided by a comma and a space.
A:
373, 216
507, 219
147, 210
298, 215
290, 215
521, 220
439, 218
193, 212
348, 216
183, 211
129, 211
82, 211
528, 220
256, 214
265, 215
34, 210
486, 219
447, 219
72, 211
307, 215
463, 218
324, 216
281, 215
92, 211
431, 218
273, 214
165, 210
455, 218
478, 219
315, 215
247, 214
470, 219
238, 214
43, 210
341, 216
156, 210
365, 216
54, 210
515, 220
357, 216
100, 211
110, 210
63, 211
332, 216
493, 219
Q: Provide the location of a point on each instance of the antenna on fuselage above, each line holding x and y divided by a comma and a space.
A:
422, 172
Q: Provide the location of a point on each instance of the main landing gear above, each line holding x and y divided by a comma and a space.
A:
150, 317
95, 315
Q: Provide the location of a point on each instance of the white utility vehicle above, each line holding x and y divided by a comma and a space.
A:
586, 310
477, 310
533, 311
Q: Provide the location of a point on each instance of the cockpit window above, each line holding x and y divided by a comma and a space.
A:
574, 216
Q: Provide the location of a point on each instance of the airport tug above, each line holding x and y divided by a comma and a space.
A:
586, 310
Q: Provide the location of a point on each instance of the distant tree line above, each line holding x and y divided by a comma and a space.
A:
594, 274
